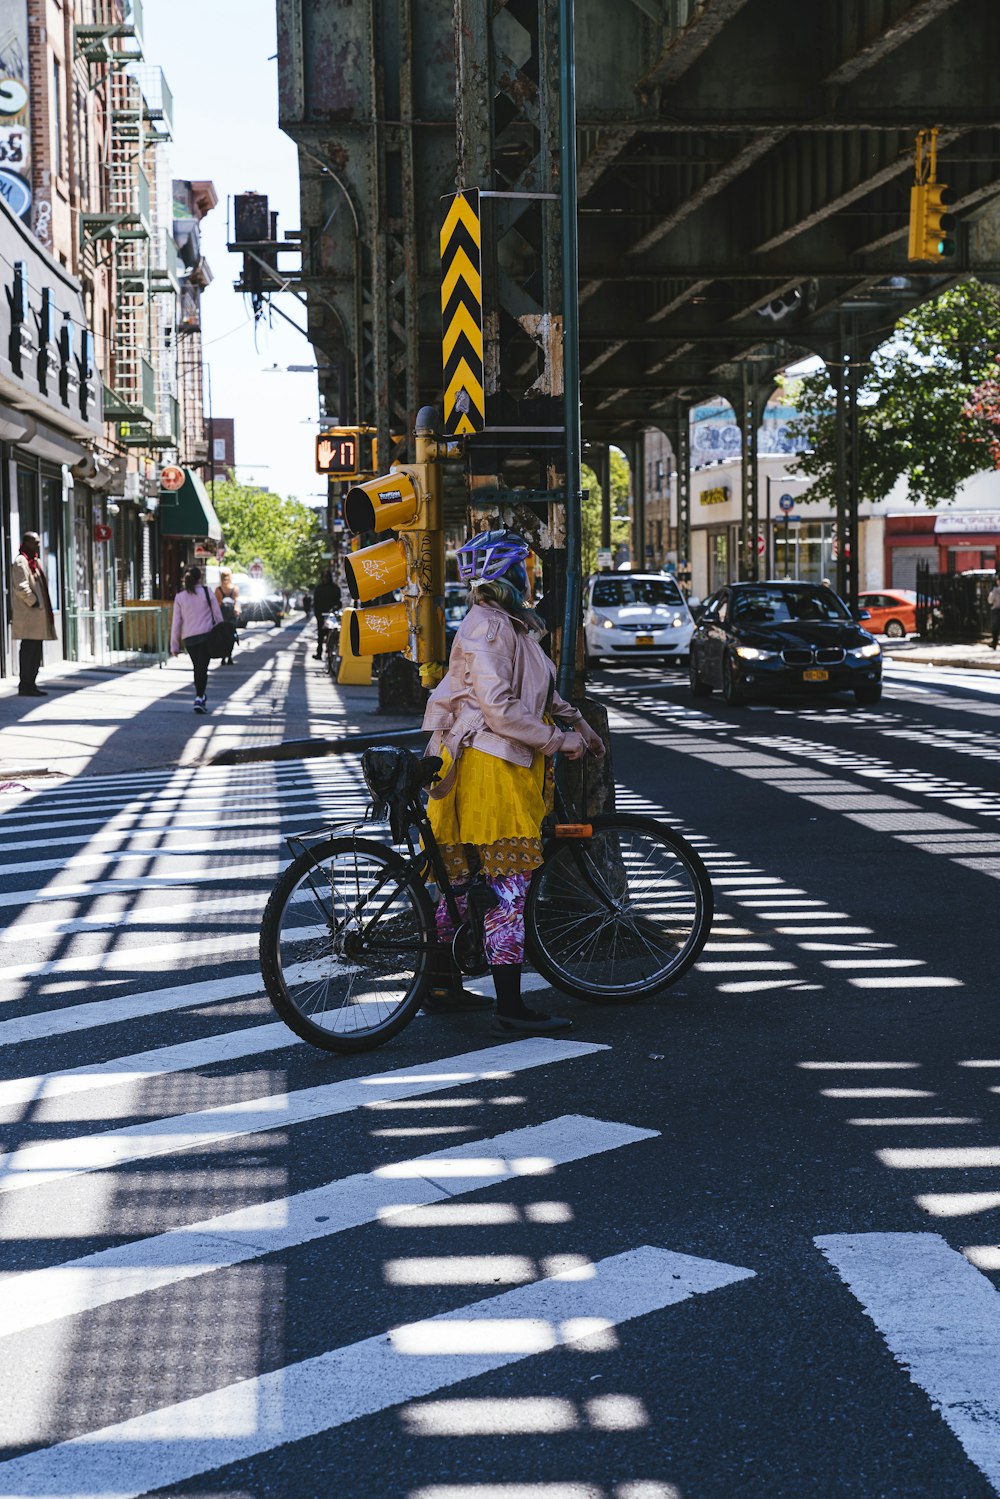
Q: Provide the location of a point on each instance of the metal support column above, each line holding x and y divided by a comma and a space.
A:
845, 380
749, 561
680, 441
571, 348
637, 457
603, 461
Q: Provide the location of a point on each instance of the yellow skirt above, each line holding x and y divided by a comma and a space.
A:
494, 808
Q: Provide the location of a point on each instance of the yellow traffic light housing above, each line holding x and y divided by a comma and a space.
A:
931, 225
406, 500
376, 570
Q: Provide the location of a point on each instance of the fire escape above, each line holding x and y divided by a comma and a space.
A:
129, 225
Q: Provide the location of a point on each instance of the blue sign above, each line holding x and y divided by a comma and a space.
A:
787, 502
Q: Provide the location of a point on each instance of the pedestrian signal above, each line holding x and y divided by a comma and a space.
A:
344, 452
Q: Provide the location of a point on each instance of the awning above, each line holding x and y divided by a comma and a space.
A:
188, 511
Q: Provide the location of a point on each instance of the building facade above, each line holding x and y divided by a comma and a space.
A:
90, 374
797, 535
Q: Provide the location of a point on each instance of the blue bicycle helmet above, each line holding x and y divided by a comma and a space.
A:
494, 554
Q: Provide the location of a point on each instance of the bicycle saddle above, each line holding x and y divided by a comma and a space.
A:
395, 777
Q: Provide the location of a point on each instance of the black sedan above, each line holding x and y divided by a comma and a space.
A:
783, 637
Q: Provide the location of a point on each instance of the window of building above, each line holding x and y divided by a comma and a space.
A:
57, 117
219, 450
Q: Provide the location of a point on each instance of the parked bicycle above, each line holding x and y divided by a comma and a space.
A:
619, 909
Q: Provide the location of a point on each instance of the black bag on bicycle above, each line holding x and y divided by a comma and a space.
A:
395, 777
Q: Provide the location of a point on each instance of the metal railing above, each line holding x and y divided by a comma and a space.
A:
126, 635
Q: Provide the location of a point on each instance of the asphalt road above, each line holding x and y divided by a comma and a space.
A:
741, 1240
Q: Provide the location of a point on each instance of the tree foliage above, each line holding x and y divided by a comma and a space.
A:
916, 399
591, 514
286, 535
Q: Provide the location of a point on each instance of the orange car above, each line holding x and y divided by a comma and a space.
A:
893, 613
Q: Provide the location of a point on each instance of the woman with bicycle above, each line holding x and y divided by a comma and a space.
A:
494, 725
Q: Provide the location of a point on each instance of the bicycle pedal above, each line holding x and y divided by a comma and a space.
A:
574, 830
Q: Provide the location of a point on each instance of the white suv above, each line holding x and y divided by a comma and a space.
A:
632, 615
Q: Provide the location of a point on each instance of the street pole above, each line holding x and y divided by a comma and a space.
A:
770, 561
571, 345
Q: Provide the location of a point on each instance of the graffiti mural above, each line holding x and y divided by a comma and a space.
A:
15, 109
715, 435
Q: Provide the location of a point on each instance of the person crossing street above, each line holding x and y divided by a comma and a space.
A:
32, 621
993, 599
326, 598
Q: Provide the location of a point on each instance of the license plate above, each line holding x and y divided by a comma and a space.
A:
644, 640
815, 676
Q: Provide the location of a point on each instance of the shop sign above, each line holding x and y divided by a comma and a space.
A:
718, 496
171, 477
968, 522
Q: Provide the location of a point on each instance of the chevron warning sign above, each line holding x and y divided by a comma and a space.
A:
462, 315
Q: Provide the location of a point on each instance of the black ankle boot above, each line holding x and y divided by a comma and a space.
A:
513, 1018
444, 993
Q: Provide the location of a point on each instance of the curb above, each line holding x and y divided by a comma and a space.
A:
945, 663
310, 749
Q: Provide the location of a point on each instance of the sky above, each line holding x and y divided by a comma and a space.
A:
218, 58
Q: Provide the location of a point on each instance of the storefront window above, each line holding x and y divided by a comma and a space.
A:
51, 534
718, 559
27, 499
804, 550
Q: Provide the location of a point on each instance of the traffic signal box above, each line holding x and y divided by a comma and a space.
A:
931, 225
406, 500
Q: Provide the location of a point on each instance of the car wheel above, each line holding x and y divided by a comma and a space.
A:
698, 687
732, 692
866, 697
894, 629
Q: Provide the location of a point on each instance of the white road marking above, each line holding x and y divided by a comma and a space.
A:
250, 1041
578, 1309
36, 1297
47, 1161
127, 1007
941, 1320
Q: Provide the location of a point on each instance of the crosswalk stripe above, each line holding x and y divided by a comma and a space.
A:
140, 959
154, 916
141, 1066
577, 1310
98, 1012
941, 1320
37, 1297
261, 869
46, 1161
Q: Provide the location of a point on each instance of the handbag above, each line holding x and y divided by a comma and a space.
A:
220, 639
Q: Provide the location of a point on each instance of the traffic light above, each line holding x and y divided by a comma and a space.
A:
345, 452
931, 235
406, 500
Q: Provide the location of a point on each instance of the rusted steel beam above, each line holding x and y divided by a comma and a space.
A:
687, 45
893, 35
715, 183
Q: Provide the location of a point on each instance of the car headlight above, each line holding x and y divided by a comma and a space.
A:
677, 622
872, 649
602, 620
751, 653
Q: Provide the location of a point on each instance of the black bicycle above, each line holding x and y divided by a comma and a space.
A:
619, 909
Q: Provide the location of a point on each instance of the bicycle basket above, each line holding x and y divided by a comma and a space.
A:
395, 777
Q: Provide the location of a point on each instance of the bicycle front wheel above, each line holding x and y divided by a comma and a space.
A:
345, 944
618, 915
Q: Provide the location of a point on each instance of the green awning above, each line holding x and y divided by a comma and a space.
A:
188, 511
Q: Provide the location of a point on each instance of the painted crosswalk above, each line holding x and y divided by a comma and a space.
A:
291, 1245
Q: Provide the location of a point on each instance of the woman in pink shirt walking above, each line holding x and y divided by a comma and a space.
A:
195, 612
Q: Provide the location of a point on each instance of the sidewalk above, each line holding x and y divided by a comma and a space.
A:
968, 657
113, 720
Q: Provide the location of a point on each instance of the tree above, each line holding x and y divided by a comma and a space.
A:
915, 403
591, 514
286, 535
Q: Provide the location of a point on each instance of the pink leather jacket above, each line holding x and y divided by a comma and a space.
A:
499, 686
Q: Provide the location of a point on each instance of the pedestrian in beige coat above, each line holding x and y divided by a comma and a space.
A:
31, 608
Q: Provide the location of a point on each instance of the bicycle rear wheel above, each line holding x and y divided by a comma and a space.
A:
345, 943
619, 915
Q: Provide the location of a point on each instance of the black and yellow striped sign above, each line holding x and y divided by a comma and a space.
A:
462, 315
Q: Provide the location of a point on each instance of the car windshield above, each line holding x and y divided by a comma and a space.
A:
778, 606
614, 593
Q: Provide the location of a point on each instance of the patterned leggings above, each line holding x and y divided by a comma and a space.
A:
503, 926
